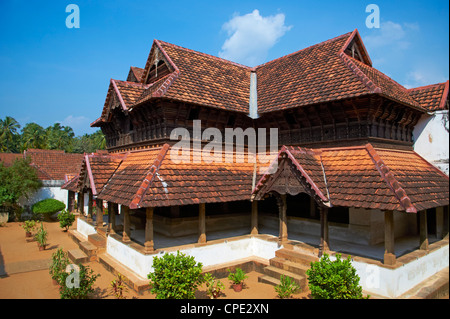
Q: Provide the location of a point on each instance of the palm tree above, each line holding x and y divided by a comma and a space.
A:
8, 134
33, 136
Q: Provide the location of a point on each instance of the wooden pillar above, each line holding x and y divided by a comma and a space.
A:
282, 217
445, 223
254, 222
126, 224
423, 229
90, 205
70, 201
389, 253
439, 222
201, 223
149, 245
81, 202
323, 246
112, 209
99, 212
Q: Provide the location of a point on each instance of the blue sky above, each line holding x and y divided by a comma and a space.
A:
50, 73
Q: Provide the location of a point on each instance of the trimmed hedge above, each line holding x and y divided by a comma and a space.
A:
48, 206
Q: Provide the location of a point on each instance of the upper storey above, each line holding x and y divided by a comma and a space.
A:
323, 86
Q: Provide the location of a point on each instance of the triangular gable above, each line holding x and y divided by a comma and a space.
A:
292, 177
158, 64
355, 48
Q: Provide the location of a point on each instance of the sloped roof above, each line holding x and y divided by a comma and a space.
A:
96, 170
320, 73
431, 97
8, 158
151, 178
54, 164
372, 178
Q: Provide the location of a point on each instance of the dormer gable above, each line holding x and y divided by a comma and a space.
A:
355, 48
158, 65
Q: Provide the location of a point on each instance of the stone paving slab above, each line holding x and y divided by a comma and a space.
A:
24, 266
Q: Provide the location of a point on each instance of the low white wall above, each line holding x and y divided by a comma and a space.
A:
84, 228
394, 282
208, 255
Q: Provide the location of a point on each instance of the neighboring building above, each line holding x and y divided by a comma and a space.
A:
53, 168
7, 159
347, 177
431, 131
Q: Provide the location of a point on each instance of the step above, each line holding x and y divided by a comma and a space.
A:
296, 268
266, 279
77, 256
277, 272
89, 249
76, 236
131, 279
97, 240
297, 257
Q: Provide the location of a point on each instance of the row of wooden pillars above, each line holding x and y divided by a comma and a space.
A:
389, 225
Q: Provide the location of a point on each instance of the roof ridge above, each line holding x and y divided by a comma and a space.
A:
426, 86
350, 63
309, 47
148, 180
205, 54
388, 176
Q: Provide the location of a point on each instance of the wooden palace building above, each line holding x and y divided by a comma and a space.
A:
344, 176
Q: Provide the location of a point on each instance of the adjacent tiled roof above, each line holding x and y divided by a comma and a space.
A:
7, 159
71, 184
98, 168
135, 74
320, 73
431, 97
373, 178
54, 164
152, 178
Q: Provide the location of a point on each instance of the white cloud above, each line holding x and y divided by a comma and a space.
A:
251, 36
79, 124
394, 35
424, 75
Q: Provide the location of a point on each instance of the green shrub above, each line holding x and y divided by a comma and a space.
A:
334, 279
48, 206
58, 266
237, 277
86, 280
213, 286
175, 276
66, 219
287, 287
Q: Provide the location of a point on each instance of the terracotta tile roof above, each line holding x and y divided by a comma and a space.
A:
320, 73
312, 75
96, 170
208, 80
7, 159
382, 83
72, 184
151, 178
54, 164
129, 176
135, 74
373, 178
431, 97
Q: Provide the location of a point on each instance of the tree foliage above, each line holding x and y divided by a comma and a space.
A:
334, 279
54, 137
16, 181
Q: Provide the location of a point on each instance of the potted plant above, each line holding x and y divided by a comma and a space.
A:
41, 237
237, 278
213, 286
28, 226
118, 287
66, 219
58, 266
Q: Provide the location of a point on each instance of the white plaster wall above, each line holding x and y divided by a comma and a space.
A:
44, 193
431, 139
84, 228
394, 282
208, 255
